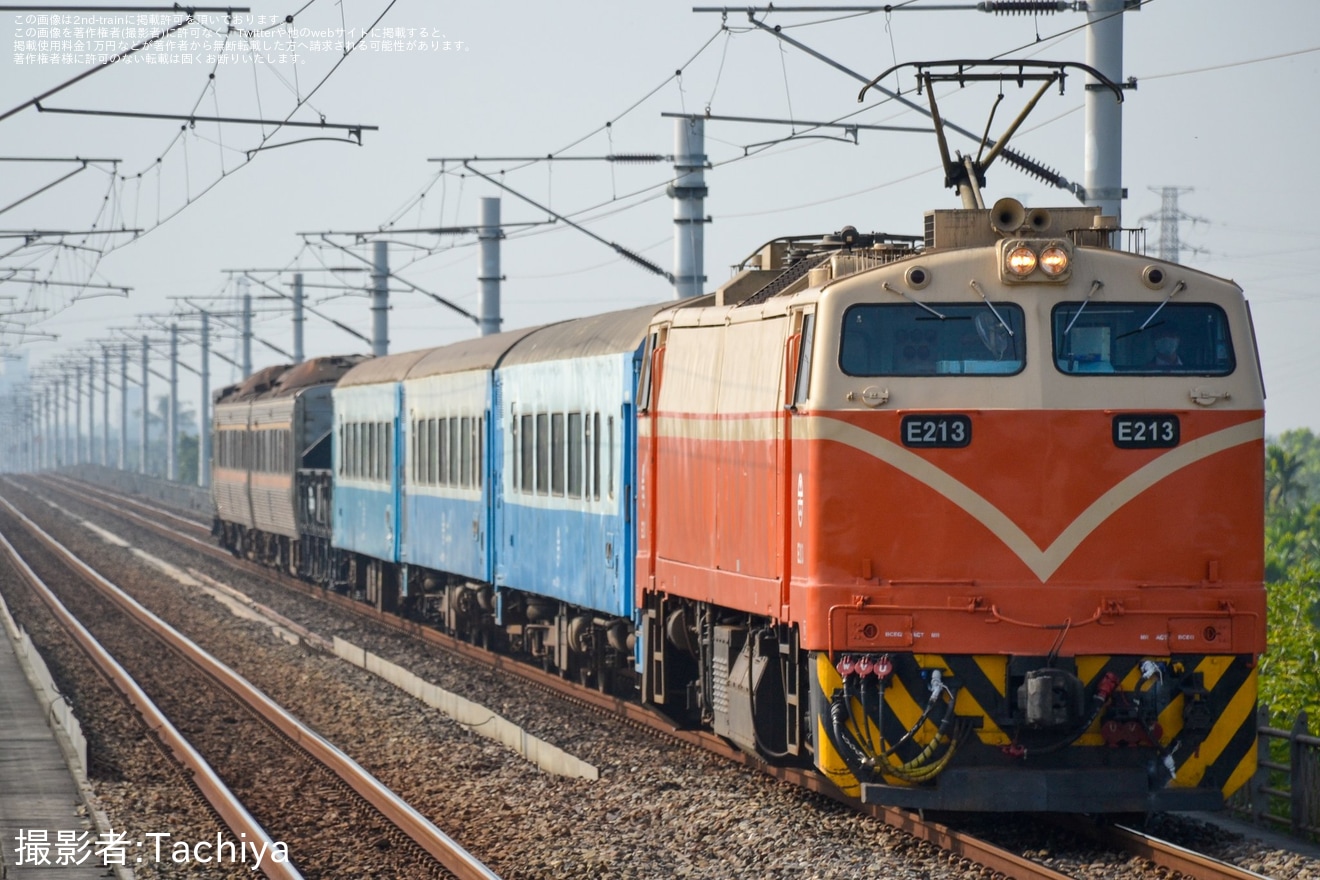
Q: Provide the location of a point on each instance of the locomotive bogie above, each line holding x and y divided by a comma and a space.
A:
1109, 733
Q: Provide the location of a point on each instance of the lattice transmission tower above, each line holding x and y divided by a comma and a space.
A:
1171, 246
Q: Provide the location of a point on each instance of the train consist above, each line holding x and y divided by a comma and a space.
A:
967, 522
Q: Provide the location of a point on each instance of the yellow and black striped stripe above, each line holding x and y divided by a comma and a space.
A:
1218, 754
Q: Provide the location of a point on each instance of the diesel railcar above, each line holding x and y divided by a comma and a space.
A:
958, 523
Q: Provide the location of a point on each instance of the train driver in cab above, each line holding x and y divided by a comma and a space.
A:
1166, 349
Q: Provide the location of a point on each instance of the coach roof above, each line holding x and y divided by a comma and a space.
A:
389, 368
482, 353
611, 333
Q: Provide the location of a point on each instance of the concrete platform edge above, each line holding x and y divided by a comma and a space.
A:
66, 732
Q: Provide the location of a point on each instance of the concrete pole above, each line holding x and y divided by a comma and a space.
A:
91, 410
247, 330
298, 319
172, 429
380, 300
77, 416
1104, 114
43, 425
204, 420
123, 407
105, 408
67, 445
689, 192
489, 235
57, 416
144, 439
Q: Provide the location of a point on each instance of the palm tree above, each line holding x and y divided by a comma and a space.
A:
1281, 472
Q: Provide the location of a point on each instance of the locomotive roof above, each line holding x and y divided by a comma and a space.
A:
611, 333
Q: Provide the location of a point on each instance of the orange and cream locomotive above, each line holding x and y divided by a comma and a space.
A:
972, 525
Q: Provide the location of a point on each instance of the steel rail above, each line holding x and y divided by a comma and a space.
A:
200, 773
417, 827
1164, 854
942, 836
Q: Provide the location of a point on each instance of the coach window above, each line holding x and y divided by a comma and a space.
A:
355, 463
903, 339
435, 458
377, 451
609, 483
528, 451
575, 455
465, 463
542, 454
479, 453
359, 449
595, 456
557, 454
1142, 338
377, 447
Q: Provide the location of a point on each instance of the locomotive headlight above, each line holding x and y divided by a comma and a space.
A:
1020, 261
1054, 261
1033, 261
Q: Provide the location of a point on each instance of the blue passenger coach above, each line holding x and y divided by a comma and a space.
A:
565, 481
447, 505
368, 401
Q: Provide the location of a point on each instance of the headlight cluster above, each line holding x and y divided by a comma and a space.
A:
1025, 260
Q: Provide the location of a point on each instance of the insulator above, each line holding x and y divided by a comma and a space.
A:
1032, 167
636, 157
1023, 7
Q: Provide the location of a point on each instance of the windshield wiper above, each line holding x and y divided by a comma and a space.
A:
1095, 286
887, 286
991, 306
1177, 289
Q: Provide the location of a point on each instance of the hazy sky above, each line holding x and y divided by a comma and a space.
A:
1224, 109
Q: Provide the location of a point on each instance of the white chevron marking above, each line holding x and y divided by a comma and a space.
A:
1042, 562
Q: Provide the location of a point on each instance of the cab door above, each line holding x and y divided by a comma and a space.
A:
793, 460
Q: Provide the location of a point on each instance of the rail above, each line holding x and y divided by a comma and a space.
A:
1285, 791
183, 496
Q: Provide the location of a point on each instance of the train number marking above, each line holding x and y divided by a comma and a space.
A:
936, 431
1146, 431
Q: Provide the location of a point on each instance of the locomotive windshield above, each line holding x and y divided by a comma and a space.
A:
903, 339
1142, 338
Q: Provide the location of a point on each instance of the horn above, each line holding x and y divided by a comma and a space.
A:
1039, 219
1007, 216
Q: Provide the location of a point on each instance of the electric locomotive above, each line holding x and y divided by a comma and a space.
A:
974, 525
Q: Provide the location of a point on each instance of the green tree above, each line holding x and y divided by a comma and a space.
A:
1290, 669
1282, 470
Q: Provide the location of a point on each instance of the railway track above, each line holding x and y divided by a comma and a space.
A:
1165, 858
270, 779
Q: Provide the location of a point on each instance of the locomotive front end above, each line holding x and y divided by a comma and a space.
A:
1026, 549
